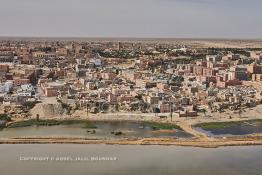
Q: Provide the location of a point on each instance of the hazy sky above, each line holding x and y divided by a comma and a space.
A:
132, 18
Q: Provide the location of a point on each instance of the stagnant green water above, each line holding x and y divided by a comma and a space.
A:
231, 128
129, 160
98, 129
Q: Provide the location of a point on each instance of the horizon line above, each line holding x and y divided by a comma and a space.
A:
122, 37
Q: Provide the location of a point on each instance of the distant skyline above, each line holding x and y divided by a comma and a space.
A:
132, 18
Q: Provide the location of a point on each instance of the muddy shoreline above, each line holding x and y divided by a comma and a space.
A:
194, 142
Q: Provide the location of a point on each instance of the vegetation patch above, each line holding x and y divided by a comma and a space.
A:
34, 122
216, 125
117, 133
5, 117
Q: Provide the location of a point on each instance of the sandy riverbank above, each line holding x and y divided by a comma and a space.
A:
236, 141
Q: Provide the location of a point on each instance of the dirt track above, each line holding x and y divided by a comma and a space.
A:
187, 128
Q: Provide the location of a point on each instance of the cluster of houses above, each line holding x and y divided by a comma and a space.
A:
142, 77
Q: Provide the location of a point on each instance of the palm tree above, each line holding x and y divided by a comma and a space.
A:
205, 111
37, 117
240, 112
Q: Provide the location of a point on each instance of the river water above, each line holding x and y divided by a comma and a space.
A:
241, 128
128, 160
103, 130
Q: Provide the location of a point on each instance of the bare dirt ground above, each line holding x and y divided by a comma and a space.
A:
223, 43
247, 114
